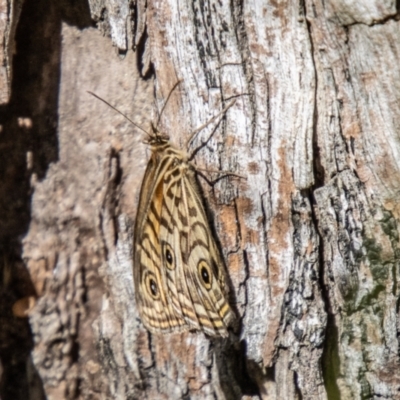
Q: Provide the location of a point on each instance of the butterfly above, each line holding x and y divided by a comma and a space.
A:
179, 276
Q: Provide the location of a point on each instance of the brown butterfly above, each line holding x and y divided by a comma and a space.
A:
178, 270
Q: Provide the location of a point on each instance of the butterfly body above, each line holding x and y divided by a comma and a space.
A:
178, 270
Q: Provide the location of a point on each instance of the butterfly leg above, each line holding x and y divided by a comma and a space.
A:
224, 174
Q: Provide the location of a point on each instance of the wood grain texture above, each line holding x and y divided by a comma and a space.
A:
357, 146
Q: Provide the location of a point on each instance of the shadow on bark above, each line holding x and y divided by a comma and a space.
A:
331, 361
236, 373
29, 144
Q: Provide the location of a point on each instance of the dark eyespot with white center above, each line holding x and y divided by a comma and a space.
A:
205, 274
152, 286
168, 256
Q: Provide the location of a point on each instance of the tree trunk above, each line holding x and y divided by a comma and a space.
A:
309, 235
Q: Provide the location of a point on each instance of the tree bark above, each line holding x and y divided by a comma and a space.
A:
310, 235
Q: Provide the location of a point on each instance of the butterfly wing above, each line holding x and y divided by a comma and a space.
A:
156, 310
205, 254
178, 271
192, 263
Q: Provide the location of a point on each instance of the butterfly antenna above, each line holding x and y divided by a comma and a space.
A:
166, 102
211, 120
119, 112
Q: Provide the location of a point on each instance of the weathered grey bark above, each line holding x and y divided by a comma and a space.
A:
310, 238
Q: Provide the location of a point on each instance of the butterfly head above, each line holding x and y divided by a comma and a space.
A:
156, 138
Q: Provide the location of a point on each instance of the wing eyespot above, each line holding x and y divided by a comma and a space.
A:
169, 256
205, 274
152, 286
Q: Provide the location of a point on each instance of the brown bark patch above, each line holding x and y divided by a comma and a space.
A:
253, 168
229, 226
244, 206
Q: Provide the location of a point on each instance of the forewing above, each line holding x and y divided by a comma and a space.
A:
156, 311
178, 271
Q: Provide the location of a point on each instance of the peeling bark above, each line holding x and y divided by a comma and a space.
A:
9, 16
310, 237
